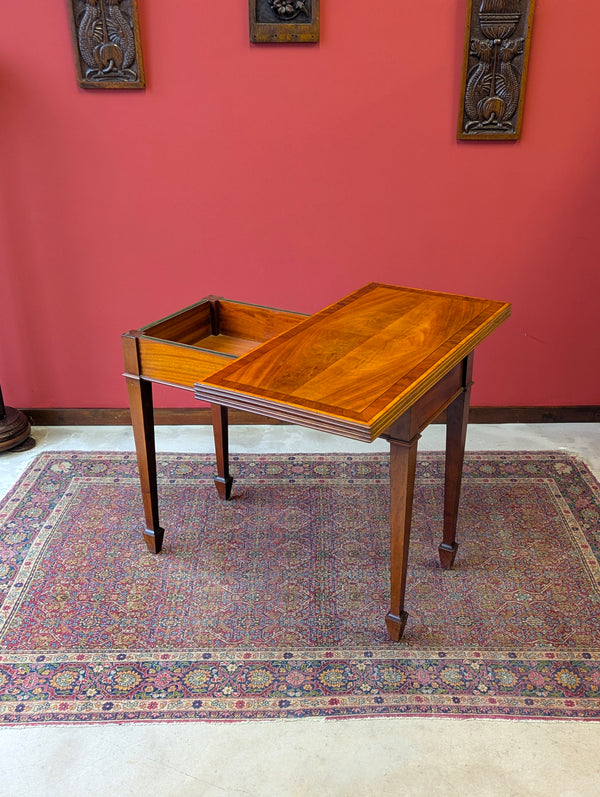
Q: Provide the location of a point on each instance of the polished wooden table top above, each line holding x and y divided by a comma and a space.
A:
359, 364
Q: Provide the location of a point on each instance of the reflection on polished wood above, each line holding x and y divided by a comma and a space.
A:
359, 364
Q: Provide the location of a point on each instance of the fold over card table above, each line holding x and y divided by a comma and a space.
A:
383, 362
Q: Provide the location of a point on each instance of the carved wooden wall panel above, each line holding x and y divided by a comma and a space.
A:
284, 20
497, 41
106, 44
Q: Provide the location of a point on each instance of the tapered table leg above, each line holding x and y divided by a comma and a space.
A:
220, 419
142, 419
403, 460
457, 417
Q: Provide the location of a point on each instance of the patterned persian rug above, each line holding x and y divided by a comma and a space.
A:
272, 605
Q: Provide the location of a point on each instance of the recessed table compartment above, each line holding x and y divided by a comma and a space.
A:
195, 342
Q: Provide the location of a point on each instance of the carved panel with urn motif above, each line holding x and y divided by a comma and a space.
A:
496, 54
106, 44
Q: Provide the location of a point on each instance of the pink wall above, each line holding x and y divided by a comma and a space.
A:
289, 176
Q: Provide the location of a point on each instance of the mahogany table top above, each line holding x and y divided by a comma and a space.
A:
354, 367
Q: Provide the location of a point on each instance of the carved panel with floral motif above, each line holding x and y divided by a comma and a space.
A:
106, 44
284, 20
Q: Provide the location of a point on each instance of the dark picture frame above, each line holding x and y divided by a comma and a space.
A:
495, 62
107, 44
284, 20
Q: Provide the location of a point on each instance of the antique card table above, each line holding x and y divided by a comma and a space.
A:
383, 362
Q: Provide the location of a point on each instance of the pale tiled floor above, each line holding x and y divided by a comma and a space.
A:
305, 757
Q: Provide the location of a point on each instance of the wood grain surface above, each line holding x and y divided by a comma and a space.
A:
354, 367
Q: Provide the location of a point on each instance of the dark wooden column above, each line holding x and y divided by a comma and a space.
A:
14, 429
457, 418
451, 394
142, 420
403, 461
220, 419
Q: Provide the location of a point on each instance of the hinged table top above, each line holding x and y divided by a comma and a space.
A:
354, 367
